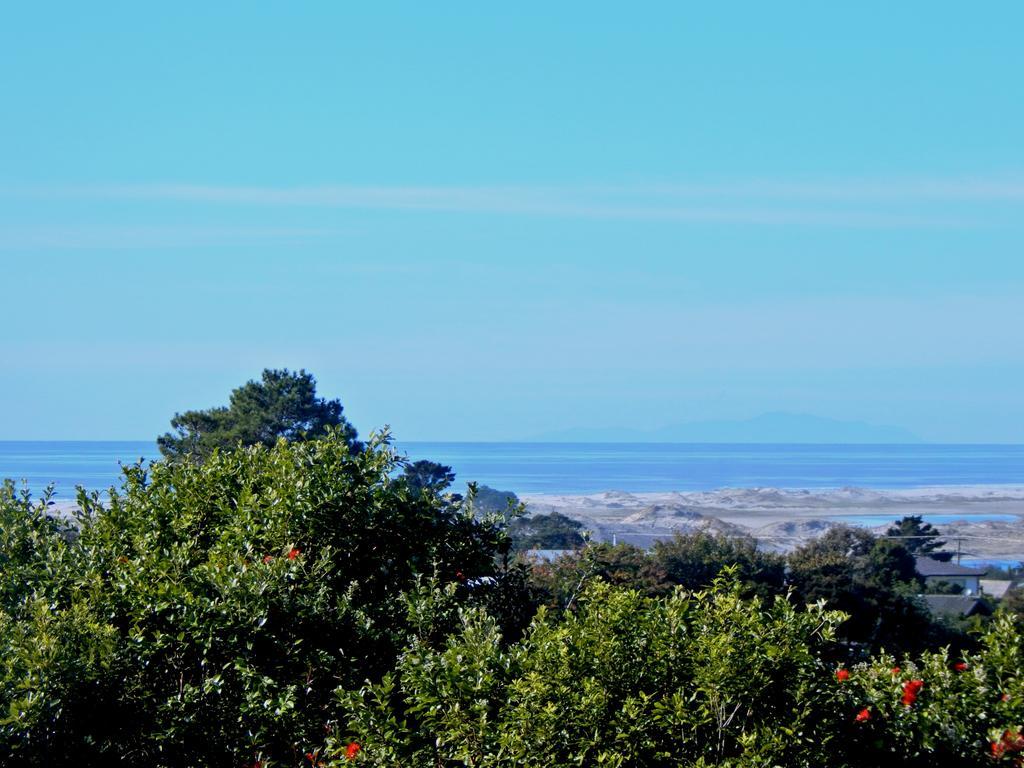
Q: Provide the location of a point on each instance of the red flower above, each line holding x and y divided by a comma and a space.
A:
268, 558
960, 666
911, 689
842, 675
895, 671
352, 750
460, 576
1013, 741
863, 716
293, 553
1005, 697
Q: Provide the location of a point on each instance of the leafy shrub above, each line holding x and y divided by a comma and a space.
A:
695, 679
940, 710
872, 580
487, 499
551, 531
562, 581
695, 560
705, 678
206, 613
302, 604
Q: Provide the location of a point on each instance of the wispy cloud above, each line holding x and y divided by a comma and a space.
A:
854, 203
906, 190
118, 237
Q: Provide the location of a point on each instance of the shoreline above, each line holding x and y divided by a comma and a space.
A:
988, 518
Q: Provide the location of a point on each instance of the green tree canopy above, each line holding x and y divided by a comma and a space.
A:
206, 614
694, 560
871, 579
553, 531
425, 475
919, 537
702, 679
487, 499
282, 404
559, 583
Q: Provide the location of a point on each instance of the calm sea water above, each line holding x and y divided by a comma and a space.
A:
593, 467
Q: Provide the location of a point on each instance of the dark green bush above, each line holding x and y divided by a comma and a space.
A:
206, 613
688, 679
280, 605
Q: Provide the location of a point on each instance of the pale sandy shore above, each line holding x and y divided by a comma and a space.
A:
984, 521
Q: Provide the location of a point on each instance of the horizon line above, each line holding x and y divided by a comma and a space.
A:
917, 443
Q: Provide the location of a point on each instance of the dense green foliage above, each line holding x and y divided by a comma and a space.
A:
282, 404
428, 475
919, 537
688, 679
695, 560
551, 531
208, 612
1014, 601
625, 680
561, 582
311, 603
487, 499
873, 580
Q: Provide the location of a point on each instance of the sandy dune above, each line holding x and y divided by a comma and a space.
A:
987, 520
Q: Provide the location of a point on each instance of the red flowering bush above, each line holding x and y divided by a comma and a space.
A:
931, 711
911, 689
1009, 744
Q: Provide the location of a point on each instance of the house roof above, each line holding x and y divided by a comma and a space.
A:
927, 566
954, 605
546, 555
996, 587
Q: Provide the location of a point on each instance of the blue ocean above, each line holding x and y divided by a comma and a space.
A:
594, 467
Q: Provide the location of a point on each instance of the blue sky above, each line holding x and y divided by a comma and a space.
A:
483, 223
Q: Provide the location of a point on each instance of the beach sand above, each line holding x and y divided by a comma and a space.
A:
983, 521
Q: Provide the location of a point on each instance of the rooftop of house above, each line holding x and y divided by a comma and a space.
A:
997, 587
546, 555
928, 567
954, 605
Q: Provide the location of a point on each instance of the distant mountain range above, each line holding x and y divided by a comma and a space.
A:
778, 427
